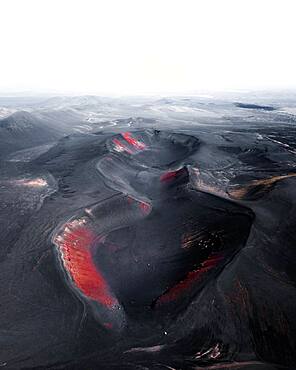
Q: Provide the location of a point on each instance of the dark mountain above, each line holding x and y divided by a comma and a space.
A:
23, 130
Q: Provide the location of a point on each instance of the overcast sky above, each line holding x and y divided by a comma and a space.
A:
146, 46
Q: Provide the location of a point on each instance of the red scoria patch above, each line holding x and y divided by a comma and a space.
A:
167, 176
132, 141
120, 147
74, 244
191, 278
145, 207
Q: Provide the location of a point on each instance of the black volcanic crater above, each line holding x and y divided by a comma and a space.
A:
158, 232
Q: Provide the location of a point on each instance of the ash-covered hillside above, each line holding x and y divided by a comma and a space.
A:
148, 232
